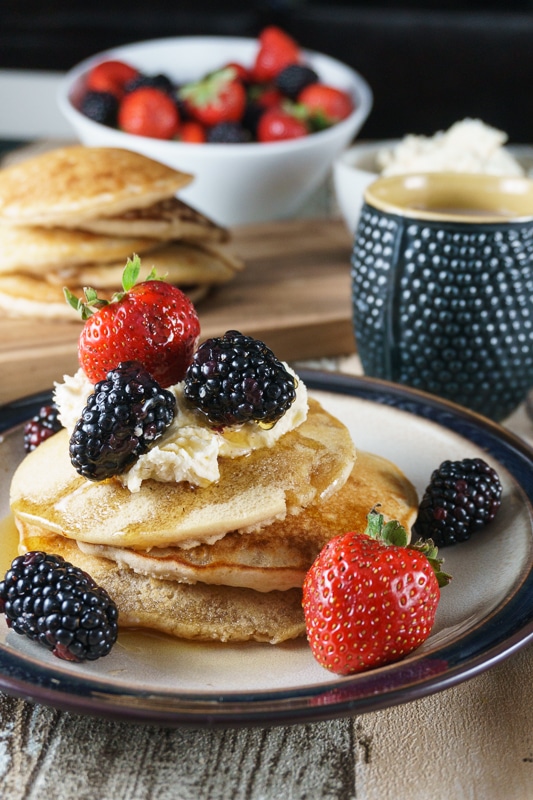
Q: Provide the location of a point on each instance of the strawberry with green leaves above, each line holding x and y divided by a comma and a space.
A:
219, 97
152, 322
370, 598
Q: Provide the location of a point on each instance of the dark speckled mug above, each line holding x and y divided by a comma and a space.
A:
442, 276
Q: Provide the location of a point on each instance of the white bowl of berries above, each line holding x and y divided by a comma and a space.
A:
257, 122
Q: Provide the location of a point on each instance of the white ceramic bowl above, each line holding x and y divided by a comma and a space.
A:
356, 168
353, 171
234, 183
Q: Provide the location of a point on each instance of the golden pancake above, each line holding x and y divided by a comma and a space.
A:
277, 557
36, 250
179, 263
306, 465
62, 187
221, 613
168, 219
35, 298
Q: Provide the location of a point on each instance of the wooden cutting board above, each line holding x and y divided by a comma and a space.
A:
294, 294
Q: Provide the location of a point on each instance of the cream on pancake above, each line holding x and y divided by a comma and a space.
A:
36, 250
306, 465
62, 187
167, 219
278, 556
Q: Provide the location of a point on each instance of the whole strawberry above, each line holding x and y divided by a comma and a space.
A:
149, 111
369, 599
276, 51
220, 97
152, 322
277, 125
111, 76
325, 105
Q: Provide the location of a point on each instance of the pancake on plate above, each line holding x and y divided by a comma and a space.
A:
225, 562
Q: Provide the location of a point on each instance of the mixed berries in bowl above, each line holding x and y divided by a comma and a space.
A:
278, 97
258, 122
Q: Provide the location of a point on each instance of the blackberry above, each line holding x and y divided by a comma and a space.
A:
58, 605
252, 114
236, 379
228, 133
40, 427
291, 80
127, 412
462, 497
101, 107
159, 81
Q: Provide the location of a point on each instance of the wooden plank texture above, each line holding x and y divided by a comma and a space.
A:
476, 736
294, 293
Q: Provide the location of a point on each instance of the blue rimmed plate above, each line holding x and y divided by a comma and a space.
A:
484, 615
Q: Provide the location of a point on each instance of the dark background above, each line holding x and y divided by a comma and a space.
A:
428, 63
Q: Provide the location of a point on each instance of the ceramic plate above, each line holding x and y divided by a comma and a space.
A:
485, 614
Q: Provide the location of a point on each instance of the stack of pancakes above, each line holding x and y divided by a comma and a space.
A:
225, 562
73, 216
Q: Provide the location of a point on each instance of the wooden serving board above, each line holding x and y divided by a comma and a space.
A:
294, 294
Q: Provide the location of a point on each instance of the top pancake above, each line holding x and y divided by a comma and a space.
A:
306, 465
64, 186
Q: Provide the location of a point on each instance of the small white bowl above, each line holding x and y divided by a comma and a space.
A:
356, 168
353, 171
235, 183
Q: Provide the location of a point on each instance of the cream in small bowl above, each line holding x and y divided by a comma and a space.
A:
469, 146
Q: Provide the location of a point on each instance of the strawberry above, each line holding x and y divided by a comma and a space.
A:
267, 96
325, 104
276, 51
369, 599
151, 322
149, 112
111, 76
276, 124
219, 97
192, 131
243, 74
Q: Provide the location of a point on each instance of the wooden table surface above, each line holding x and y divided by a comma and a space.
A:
473, 741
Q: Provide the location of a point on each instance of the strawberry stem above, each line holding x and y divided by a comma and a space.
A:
91, 303
389, 532
393, 533
208, 88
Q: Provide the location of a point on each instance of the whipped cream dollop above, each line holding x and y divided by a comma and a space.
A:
467, 146
190, 448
